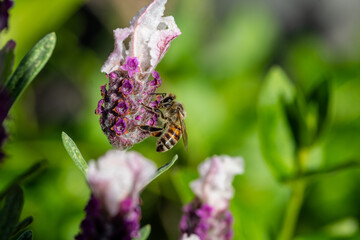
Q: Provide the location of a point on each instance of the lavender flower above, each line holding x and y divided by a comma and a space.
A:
4, 13
129, 71
208, 216
116, 180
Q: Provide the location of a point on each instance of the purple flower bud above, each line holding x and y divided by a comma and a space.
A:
100, 109
155, 75
157, 80
103, 90
127, 87
150, 35
131, 65
152, 121
120, 126
5, 5
122, 108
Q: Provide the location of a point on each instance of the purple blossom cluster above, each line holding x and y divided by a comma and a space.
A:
121, 109
201, 219
129, 71
99, 225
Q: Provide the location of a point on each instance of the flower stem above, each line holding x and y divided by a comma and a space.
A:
293, 209
298, 188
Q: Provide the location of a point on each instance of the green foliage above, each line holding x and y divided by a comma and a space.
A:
30, 66
74, 153
277, 145
22, 225
27, 235
144, 233
10, 213
164, 168
34, 170
13, 197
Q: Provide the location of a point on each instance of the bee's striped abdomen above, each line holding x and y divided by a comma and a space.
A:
169, 138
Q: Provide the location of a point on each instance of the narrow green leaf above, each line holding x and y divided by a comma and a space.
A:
27, 235
277, 143
164, 168
30, 66
33, 170
144, 233
6, 61
22, 225
10, 213
321, 97
74, 152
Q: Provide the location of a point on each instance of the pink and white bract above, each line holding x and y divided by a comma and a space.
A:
130, 71
116, 181
208, 215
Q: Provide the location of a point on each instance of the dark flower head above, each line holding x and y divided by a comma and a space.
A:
129, 70
5, 105
5, 5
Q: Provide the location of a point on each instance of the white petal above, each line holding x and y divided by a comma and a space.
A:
214, 187
118, 55
160, 41
191, 237
119, 175
145, 24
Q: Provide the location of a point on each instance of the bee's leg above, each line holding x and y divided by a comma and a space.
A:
155, 110
154, 131
159, 94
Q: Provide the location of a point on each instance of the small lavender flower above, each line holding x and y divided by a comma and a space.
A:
208, 215
116, 180
121, 108
5, 5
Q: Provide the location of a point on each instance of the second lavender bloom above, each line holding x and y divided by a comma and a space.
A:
207, 216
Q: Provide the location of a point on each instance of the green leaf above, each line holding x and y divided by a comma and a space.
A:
22, 225
277, 143
144, 233
6, 61
30, 66
10, 213
33, 170
164, 168
27, 235
321, 97
74, 153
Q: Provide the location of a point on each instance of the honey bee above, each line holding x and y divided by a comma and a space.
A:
172, 115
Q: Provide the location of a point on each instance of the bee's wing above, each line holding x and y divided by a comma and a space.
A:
184, 133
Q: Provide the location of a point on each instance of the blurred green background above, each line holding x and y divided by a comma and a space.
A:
217, 68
